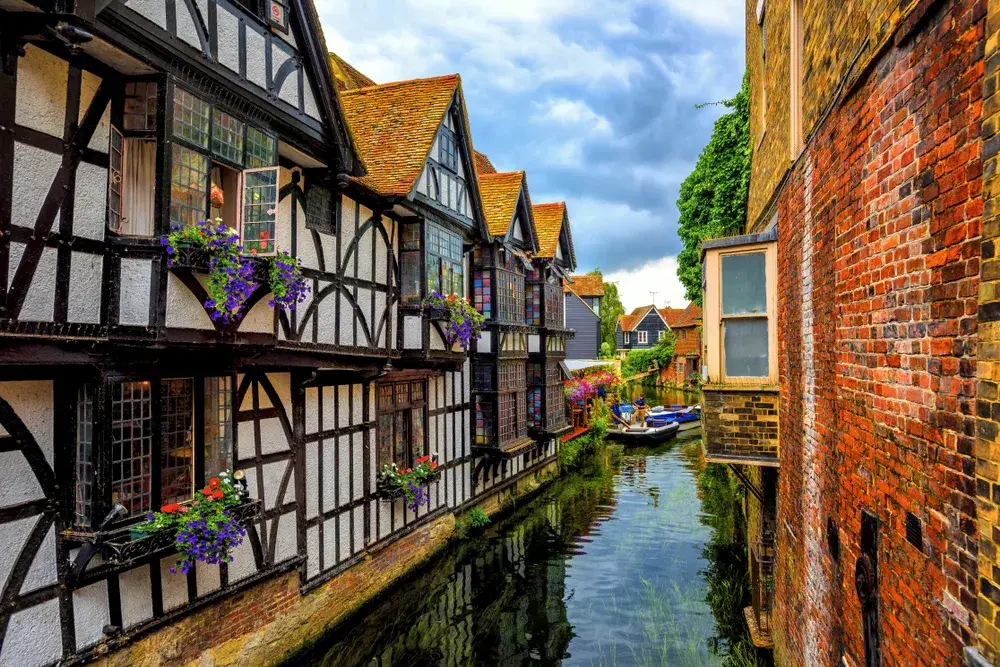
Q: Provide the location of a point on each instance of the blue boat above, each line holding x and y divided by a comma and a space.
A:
686, 418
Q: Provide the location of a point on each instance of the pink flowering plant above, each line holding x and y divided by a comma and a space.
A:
579, 389
231, 274
203, 529
463, 323
410, 483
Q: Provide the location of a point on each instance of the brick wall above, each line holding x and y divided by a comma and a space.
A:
988, 354
743, 424
879, 226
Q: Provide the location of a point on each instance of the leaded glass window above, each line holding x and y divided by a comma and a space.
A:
191, 118
177, 439
84, 456
261, 149
227, 137
320, 209
140, 106
188, 186
400, 423
132, 446
218, 425
448, 149
260, 201
533, 305
444, 255
482, 292
484, 421
510, 296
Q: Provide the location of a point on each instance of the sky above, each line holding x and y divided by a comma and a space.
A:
594, 99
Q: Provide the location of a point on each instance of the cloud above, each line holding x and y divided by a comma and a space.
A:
635, 286
595, 100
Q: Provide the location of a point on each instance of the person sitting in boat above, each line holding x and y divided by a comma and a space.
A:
640, 411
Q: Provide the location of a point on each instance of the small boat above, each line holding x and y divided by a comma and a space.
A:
643, 434
688, 418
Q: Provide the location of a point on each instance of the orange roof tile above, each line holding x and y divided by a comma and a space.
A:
585, 285
681, 317
346, 76
394, 125
499, 193
548, 224
483, 164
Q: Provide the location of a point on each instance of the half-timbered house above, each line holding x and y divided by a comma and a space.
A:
118, 390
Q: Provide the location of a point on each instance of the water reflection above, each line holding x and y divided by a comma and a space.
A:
611, 566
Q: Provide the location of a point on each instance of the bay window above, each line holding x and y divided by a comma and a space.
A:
740, 309
401, 418
546, 398
501, 406
142, 443
443, 257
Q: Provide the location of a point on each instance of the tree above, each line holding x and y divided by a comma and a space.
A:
713, 198
611, 310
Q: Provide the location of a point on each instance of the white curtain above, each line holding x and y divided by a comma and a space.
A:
140, 186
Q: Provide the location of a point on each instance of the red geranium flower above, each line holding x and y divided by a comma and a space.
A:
217, 495
170, 508
214, 483
433, 465
184, 509
262, 236
423, 459
207, 492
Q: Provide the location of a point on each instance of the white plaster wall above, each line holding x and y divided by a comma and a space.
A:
34, 171
364, 301
15, 535
33, 403
90, 613
327, 313
174, 585
286, 542
436, 342
411, 333
133, 305
184, 311
154, 10
381, 274
260, 319
365, 263
243, 564
43, 569
283, 212
228, 26
379, 320
90, 201
41, 91
33, 637
309, 102
346, 321
186, 29
256, 63
312, 551
290, 88
534, 343
208, 578
136, 596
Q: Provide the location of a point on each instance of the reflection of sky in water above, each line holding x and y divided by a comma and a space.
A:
634, 594
603, 569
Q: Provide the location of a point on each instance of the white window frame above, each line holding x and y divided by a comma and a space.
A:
660, 334
643, 338
627, 338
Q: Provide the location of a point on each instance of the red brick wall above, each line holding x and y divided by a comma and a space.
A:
686, 344
878, 274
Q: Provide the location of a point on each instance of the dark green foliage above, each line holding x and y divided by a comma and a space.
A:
611, 310
713, 198
640, 361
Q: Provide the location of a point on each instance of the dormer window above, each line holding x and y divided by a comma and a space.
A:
448, 149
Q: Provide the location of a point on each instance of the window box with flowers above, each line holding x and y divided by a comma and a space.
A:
235, 277
394, 482
460, 322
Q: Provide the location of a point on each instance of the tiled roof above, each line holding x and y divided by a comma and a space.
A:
346, 76
585, 285
682, 317
394, 125
499, 193
548, 224
631, 321
483, 164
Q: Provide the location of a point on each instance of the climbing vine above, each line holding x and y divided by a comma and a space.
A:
713, 198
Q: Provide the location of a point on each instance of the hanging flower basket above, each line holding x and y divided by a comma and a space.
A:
214, 248
463, 324
410, 483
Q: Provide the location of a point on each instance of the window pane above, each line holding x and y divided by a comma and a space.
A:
385, 439
444, 261
399, 451
261, 151
188, 186
260, 199
140, 105
417, 417
227, 137
131, 446
190, 118
744, 285
116, 163
84, 455
745, 348
177, 439
410, 277
218, 425
320, 209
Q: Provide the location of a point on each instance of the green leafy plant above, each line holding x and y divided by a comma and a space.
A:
478, 518
713, 198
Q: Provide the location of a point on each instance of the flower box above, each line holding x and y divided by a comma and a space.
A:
197, 259
384, 491
136, 544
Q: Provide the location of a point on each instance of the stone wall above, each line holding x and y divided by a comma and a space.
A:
879, 232
988, 355
742, 423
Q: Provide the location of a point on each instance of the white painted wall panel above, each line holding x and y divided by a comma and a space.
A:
243, 564
208, 578
344, 460
41, 91
85, 283
327, 312
43, 569
358, 406
312, 551
90, 613
329, 475
359, 463
256, 63
186, 29
154, 10
260, 319
347, 316
184, 311
329, 407
228, 26
133, 307
89, 84
174, 584
309, 102
286, 545
312, 468
272, 436
90, 201
343, 405
39, 303
33, 637
15, 535
330, 542
411, 333
34, 171
137, 599
33, 403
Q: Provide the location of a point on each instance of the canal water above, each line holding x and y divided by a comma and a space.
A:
632, 559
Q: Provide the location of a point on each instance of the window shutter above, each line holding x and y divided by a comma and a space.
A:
116, 160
